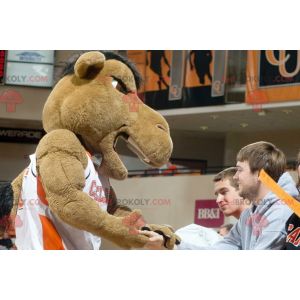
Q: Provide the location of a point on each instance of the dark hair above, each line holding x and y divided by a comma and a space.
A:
227, 174
263, 155
67, 67
227, 226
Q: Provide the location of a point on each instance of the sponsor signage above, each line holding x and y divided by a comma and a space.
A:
26, 136
208, 214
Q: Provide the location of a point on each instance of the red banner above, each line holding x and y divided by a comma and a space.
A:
2, 65
208, 214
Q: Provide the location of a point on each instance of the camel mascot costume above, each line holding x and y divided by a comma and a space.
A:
94, 103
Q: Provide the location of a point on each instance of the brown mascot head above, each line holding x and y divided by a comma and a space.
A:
96, 99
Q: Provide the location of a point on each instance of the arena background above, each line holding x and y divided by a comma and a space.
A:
205, 96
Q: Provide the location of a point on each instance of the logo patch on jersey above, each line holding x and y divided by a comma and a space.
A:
294, 237
96, 192
21, 202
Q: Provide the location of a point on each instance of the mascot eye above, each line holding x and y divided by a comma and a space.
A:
114, 83
119, 85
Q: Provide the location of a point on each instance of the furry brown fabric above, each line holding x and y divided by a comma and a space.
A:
17, 187
115, 209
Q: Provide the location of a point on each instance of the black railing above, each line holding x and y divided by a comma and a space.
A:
291, 166
174, 172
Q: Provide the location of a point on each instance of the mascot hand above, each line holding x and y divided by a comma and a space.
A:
170, 238
124, 231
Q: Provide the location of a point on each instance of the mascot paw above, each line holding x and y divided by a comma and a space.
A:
134, 222
124, 232
170, 238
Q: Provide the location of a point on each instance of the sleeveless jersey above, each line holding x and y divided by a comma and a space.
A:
41, 228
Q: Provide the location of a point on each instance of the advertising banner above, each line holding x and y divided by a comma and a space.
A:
199, 79
208, 214
272, 75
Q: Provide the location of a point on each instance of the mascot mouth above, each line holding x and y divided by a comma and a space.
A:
132, 145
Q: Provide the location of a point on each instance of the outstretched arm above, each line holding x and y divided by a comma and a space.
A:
61, 161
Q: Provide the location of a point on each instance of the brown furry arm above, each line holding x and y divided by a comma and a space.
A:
61, 161
17, 187
115, 209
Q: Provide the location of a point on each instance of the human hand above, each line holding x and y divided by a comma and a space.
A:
169, 237
156, 241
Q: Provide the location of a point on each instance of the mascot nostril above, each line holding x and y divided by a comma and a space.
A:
83, 116
161, 127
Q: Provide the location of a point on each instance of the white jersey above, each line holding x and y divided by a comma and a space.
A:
41, 228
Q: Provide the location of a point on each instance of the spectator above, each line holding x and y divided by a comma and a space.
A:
224, 229
227, 193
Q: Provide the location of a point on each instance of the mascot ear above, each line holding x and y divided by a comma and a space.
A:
89, 59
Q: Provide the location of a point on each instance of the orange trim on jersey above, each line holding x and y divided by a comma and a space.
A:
51, 238
89, 154
21, 204
27, 172
40, 191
